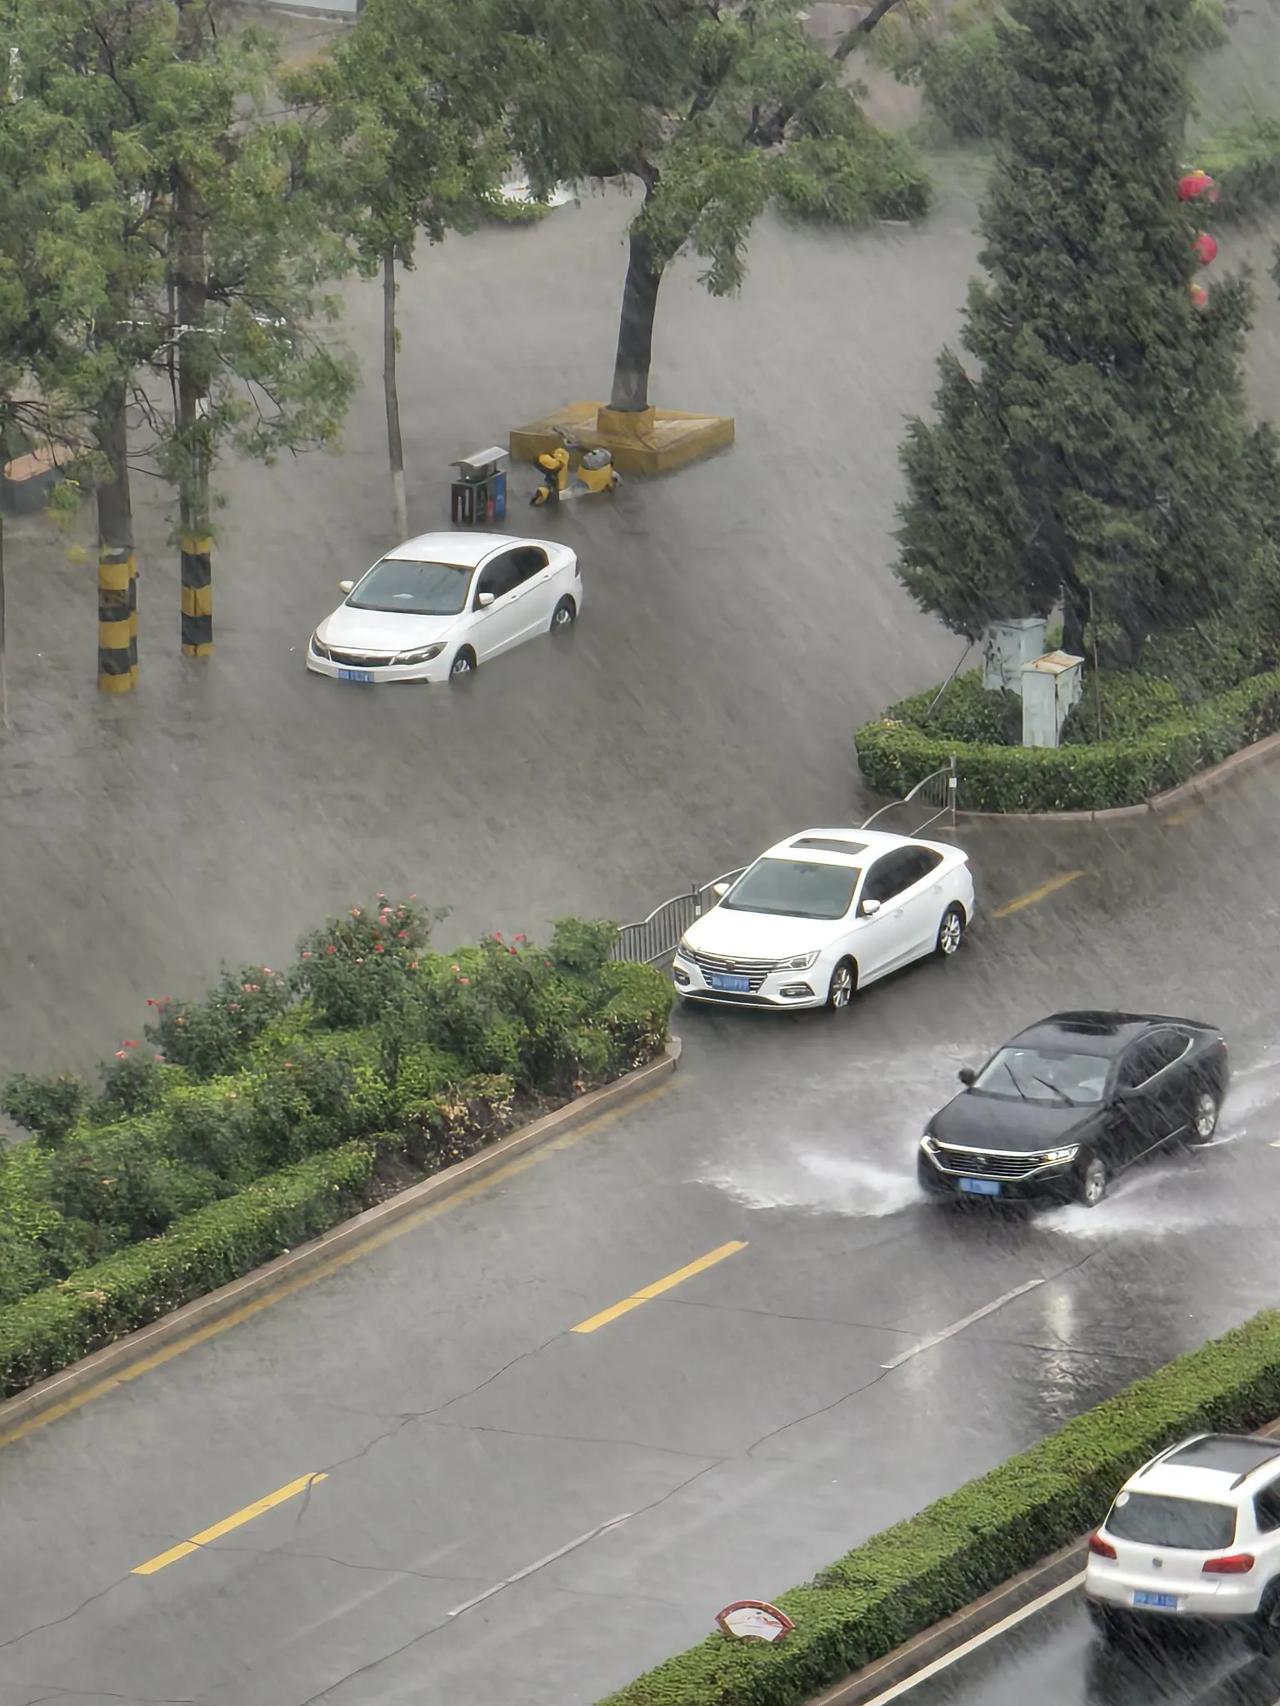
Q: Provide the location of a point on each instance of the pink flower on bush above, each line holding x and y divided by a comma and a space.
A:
402, 935
130, 1042
497, 935
413, 965
455, 968
306, 953
160, 1057
331, 949
379, 947
121, 1055
355, 911
520, 938
464, 980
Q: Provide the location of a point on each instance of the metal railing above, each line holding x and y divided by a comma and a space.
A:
654, 938
935, 793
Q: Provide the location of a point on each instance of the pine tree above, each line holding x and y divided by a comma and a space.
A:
1099, 452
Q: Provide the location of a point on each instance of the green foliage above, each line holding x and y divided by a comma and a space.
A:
849, 181
965, 81
1245, 161
893, 756
967, 711
50, 1328
368, 1032
920, 1571
1120, 705
1098, 449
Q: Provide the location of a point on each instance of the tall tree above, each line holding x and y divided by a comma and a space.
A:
409, 116
713, 109
1098, 453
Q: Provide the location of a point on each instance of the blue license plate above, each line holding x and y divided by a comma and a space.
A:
980, 1187
1156, 1601
355, 675
730, 985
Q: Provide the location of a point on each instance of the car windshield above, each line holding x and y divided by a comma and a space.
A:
1040, 1075
1191, 1525
794, 888
418, 589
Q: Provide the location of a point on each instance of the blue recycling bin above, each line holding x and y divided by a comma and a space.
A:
479, 494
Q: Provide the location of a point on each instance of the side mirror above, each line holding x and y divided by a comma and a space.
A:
719, 890
483, 600
347, 586
869, 908
968, 1077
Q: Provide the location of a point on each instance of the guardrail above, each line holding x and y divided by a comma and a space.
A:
935, 793
656, 937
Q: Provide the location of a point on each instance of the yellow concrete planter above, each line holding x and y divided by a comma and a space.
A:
646, 441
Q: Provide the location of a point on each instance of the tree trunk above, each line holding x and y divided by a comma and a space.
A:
635, 330
1075, 614
117, 565
196, 543
395, 445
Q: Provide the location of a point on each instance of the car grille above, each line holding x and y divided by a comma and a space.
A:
362, 660
755, 971
985, 1165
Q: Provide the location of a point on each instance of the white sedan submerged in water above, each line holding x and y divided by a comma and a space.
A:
821, 915
441, 604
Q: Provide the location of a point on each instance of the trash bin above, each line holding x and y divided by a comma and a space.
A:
479, 494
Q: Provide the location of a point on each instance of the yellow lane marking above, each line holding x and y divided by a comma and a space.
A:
246, 1311
1033, 895
207, 1536
1184, 814
659, 1286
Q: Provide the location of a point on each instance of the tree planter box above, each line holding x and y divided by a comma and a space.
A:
648, 441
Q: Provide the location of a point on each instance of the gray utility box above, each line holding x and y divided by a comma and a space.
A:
479, 494
1050, 687
1007, 650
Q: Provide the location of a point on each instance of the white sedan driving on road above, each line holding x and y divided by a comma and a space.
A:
821, 915
439, 605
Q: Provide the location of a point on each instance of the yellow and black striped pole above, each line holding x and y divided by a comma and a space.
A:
197, 597
117, 621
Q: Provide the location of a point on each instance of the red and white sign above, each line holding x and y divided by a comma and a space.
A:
754, 1620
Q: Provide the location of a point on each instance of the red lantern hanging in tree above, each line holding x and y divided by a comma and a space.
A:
1206, 248
1195, 184
1199, 296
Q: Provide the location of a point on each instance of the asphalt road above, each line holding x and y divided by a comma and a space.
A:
743, 1424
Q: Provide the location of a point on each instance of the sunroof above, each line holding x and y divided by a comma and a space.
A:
1233, 1454
829, 844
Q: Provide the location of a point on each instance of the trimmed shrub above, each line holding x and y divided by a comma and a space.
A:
1123, 703
914, 1574
51, 1328
966, 711
213, 1036
893, 757
1245, 161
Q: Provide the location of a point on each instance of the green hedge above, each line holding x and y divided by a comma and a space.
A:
894, 756
1245, 161
51, 1328
909, 1577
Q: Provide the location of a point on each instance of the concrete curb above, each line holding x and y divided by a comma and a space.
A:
114, 1360
913, 1656
1200, 783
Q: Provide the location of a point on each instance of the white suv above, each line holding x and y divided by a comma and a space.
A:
1194, 1534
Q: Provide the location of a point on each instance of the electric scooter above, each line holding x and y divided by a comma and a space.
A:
593, 471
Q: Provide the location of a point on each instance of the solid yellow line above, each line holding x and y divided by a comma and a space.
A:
246, 1311
1033, 895
207, 1536
659, 1286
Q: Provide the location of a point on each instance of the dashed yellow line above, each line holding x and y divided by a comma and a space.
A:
1033, 895
659, 1286
207, 1536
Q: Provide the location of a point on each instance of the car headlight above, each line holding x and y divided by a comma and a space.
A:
318, 648
424, 654
797, 962
928, 1145
1067, 1153
683, 949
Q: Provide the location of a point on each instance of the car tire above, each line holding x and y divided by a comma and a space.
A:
463, 665
564, 615
1263, 1630
950, 932
1109, 1623
843, 987
1092, 1185
1203, 1121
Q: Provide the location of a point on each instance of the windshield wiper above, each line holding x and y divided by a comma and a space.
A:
1013, 1075
1055, 1091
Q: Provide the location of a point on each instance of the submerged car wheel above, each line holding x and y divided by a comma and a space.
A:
1110, 1624
1263, 1633
463, 664
564, 615
950, 932
844, 981
1204, 1116
1093, 1181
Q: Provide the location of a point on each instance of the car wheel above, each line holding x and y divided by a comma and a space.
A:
1204, 1116
950, 932
844, 981
1263, 1632
1110, 1624
1093, 1181
564, 615
463, 664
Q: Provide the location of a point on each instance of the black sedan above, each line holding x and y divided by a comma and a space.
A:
1073, 1100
